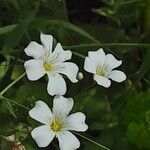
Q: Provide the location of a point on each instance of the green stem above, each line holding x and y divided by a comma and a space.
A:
19, 60
100, 145
14, 82
87, 88
11, 65
111, 45
79, 55
16, 103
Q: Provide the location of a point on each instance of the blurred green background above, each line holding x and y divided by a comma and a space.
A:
118, 117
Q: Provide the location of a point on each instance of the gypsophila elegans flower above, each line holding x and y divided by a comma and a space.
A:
102, 66
52, 63
57, 123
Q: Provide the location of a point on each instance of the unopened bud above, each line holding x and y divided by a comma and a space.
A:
80, 76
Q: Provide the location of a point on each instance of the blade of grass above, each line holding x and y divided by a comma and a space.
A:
14, 37
74, 28
14, 102
111, 45
14, 82
6, 29
100, 145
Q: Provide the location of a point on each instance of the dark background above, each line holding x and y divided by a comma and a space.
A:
118, 117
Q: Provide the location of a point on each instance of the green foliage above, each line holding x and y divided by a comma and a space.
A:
7, 29
118, 117
136, 118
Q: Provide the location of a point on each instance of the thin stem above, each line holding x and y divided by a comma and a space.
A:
11, 65
98, 144
14, 82
20, 60
79, 55
111, 45
91, 85
16, 103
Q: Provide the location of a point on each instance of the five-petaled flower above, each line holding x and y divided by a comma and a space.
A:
52, 63
102, 65
57, 123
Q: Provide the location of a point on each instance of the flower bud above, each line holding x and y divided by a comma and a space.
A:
80, 76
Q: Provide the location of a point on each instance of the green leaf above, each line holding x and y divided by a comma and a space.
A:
29, 93
145, 64
4, 67
138, 134
13, 38
136, 117
70, 27
6, 29
10, 108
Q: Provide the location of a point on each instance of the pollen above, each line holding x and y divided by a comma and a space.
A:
48, 66
56, 125
101, 71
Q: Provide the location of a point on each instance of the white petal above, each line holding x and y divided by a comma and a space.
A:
62, 106
43, 135
117, 76
67, 141
89, 65
41, 112
47, 41
56, 85
34, 69
111, 62
70, 70
60, 54
105, 82
97, 56
34, 50
76, 122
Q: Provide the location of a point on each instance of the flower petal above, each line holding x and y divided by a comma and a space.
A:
76, 122
62, 106
105, 82
43, 135
67, 141
47, 41
70, 70
97, 56
56, 84
117, 76
41, 112
89, 65
60, 54
112, 62
34, 69
34, 50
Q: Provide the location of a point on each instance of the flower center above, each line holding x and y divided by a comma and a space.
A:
56, 125
100, 71
48, 66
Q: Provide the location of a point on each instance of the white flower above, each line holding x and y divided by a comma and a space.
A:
52, 63
57, 123
102, 66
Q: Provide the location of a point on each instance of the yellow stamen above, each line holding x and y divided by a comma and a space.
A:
48, 66
100, 71
56, 125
